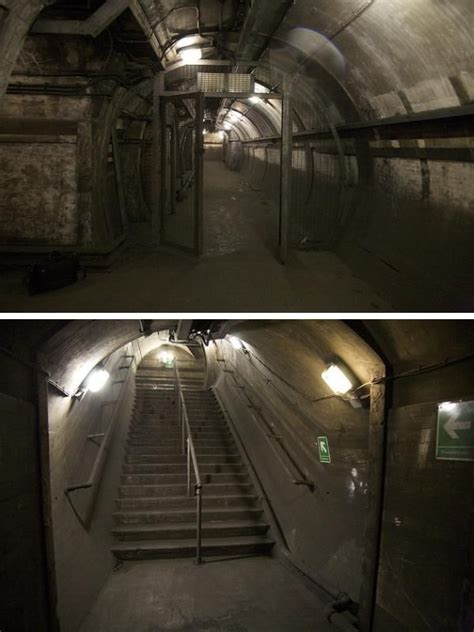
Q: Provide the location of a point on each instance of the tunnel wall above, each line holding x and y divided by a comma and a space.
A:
425, 572
57, 167
424, 576
324, 527
83, 557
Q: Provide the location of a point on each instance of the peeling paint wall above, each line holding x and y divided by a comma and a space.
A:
39, 194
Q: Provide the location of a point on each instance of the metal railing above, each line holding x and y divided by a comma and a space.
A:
187, 447
98, 465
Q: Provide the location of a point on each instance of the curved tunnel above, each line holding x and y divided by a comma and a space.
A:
367, 176
377, 529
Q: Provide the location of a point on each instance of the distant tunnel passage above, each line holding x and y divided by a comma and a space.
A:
238, 215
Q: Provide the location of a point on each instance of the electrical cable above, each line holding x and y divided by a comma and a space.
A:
410, 373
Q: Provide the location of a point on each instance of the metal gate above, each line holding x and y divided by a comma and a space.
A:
182, 149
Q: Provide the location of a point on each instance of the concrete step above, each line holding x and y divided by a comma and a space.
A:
180, 479
185, 502
180, 468
176, 441
187, 515
243, 545
142, 491
217, 457
187, 530
200, 450
204, 433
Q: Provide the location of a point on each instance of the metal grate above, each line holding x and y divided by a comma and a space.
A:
225, 82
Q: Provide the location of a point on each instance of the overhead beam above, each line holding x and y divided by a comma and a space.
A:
93, 26
262, 22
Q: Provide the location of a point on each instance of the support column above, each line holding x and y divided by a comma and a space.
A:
199, 176
373, 521
119, 181
156, 213
286, 158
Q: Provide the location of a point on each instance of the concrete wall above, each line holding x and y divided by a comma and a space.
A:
424, 577
82, 552
324, 527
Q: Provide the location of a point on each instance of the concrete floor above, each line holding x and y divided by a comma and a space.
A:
239, 273
243, 595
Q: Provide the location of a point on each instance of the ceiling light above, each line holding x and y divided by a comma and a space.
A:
235, 342
227, 126
258, 87
336, 379
255, 100
166, 357
96, 379
190, 55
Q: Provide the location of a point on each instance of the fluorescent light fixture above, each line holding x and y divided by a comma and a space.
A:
255, 99
258, 87
336, 379
166, 357
235, 342
96, 379
227, 126
190, 55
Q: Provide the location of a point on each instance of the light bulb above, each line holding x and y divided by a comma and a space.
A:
336, 379
97, 379
190, 55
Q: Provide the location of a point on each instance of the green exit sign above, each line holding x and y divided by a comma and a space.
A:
455, 432
323, 448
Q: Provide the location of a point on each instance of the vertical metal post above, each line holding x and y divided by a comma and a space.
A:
119, 180
199, 523
188, 451
183, 429
173, 163
286, 165
158, 87
199, 176
164, 192
373, 520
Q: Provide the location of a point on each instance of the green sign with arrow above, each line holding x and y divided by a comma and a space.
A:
455, 433
323, 447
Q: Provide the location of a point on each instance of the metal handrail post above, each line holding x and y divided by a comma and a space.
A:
199, 523
189, 468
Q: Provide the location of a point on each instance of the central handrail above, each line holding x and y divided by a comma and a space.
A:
187, 447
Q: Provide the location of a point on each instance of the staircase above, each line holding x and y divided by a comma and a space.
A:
155, 518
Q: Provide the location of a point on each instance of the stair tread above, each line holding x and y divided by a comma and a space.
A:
191, 542
192, 511
180, 526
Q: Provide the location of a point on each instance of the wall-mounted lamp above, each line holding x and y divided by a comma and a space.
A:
190, 55
336, 379
341, 382
94, 382
235, 342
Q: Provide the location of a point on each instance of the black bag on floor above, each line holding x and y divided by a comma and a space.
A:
57, 271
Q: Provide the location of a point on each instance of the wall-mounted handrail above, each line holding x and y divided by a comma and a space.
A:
98, 461
274, 439
187, 446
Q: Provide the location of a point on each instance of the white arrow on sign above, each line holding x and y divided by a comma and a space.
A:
323, 447
452, 425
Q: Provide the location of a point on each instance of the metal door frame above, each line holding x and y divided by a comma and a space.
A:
162, 99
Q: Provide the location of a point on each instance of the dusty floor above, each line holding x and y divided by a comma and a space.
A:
239, 273
242, 595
